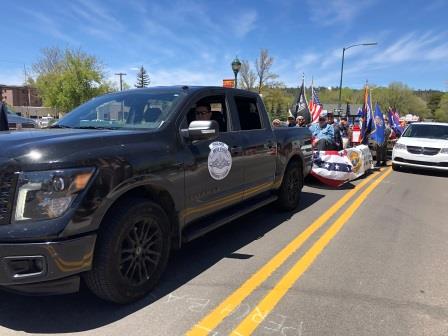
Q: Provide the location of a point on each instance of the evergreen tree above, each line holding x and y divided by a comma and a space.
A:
142, 78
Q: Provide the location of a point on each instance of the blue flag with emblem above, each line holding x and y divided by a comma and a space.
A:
368, 126
377, 134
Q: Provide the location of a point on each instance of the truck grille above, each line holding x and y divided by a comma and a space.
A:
423, 150
7, 187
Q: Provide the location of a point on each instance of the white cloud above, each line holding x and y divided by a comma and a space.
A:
244, 23
414, 47
48, 26
98, 15
330, 12
308, 58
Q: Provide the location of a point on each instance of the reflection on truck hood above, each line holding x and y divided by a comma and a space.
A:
58, 143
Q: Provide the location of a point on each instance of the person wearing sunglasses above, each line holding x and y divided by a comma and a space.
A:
203, 112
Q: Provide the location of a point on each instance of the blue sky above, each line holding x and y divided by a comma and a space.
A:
194, 42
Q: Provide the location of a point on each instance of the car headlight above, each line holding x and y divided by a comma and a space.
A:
444, 151
400, 146
48, 194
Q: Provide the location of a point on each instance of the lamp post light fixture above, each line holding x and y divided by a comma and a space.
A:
236, 66
342, 66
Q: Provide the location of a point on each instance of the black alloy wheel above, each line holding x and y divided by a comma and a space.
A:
131, 253
291, 188
141, 250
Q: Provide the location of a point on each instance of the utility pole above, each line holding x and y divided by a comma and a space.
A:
28, 89
121, 74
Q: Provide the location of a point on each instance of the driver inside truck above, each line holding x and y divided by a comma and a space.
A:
204, 112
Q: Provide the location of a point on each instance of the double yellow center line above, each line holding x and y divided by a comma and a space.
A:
250, 323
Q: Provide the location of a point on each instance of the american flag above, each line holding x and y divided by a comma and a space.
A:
332, 168
315, 106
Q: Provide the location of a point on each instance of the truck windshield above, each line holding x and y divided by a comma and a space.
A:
139, 109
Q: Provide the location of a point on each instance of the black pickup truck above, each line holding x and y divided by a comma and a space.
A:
107, 192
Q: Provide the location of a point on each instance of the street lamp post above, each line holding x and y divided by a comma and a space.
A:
236, 66
342, 66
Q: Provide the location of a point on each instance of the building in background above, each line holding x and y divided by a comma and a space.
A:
20, 95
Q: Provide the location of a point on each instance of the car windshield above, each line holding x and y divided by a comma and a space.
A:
139, 109
427, 131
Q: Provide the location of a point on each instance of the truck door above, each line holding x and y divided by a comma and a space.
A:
259, 145
214, 168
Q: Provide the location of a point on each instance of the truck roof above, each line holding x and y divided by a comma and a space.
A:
187, 88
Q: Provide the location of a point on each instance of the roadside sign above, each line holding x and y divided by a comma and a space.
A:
228, 83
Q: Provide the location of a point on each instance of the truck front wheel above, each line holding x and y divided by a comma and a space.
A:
291, 188
132, 251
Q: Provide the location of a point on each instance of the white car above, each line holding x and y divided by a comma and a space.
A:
422, 145
45, 121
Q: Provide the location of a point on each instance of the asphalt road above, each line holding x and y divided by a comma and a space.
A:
377, 266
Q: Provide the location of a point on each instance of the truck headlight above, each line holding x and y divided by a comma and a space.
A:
48, 194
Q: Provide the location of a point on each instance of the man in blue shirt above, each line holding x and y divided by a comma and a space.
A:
323, 134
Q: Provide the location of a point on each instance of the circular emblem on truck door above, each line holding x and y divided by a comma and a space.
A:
219, 160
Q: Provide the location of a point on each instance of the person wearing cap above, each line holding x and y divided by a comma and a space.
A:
291, 121
337, 140
343, 126
345, 131
323, 134
301, 122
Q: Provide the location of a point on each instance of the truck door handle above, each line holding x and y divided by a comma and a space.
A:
236, 150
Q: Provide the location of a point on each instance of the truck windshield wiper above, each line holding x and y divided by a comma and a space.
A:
96, 127
60, 126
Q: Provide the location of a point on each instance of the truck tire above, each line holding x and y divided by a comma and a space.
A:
291, 188
131, 253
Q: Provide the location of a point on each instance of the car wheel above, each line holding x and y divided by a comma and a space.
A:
291, 188
132, 251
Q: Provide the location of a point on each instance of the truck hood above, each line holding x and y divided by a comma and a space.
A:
58, 145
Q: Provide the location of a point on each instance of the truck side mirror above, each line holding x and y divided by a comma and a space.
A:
201, 130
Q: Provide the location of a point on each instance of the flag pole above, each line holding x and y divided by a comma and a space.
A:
312, 86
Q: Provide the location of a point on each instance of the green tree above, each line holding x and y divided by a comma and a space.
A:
441, 114
277, 99
401, 97
434, 101
142, 78
68, 78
